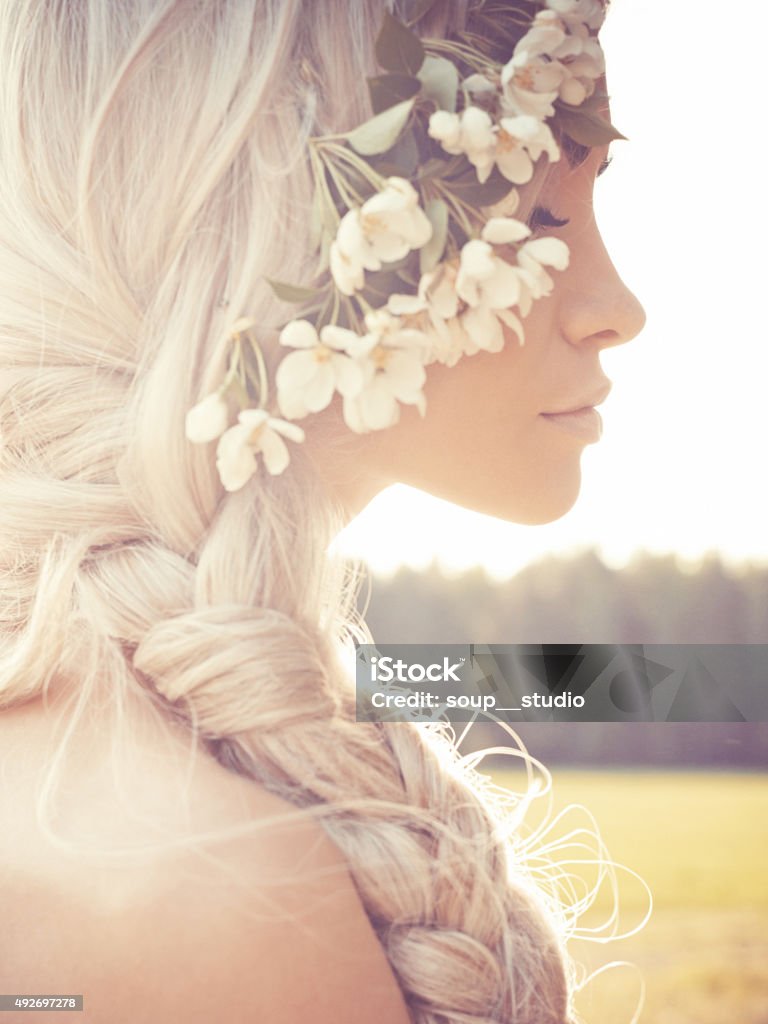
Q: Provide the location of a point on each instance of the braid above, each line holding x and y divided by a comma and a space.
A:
122, 564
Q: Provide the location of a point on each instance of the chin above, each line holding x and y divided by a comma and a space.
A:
542, 501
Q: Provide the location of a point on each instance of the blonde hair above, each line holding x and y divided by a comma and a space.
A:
153, 176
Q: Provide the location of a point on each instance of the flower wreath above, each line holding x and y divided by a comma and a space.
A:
411, 270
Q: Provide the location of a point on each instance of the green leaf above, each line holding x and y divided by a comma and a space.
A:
380, 285
387, 90
478, 194
292, 292
380, 133
401, 160
397, 48
440, 82
586, 127
414, 10
431, 253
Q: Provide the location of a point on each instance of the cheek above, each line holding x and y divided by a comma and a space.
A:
490, 392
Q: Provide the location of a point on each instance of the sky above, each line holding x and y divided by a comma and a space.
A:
681, 465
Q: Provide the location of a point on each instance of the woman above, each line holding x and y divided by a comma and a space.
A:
188, 801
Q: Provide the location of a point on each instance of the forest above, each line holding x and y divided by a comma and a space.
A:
653, 600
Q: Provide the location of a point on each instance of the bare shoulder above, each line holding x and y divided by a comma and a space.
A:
273, 929
264, 926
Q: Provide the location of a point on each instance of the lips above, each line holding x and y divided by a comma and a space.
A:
585, 423
587, 401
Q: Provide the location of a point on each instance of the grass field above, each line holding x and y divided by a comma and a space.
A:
700, 840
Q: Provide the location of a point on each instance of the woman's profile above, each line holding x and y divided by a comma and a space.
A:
260, 259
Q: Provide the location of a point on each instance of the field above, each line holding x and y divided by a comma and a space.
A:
700, 841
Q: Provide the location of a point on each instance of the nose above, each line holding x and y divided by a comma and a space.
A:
598, 309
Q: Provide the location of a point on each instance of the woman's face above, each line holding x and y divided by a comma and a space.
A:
485, 442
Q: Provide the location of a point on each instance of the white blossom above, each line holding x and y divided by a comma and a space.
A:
471, 132
484, 327
256, 431
504, 230
532, 257
582, 61
520, 141
530, 85
306, 379
545, 34
485, 279
392, 358
490, 286
557, 53
437, 305
577, 12
383, 230
207, 420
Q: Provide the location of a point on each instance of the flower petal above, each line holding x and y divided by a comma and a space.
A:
299, 334
290, 430
503, 230
503, 289
319, 390
405, 375
296, 370
235, 459
339, 338
274, 451
484, 329
513, 322
348, 375
207, 420
553, 252
378, 406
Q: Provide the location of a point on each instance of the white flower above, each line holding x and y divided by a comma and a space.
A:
484, 279
471, 132
392, 357
478, 85
575, 12
385, 229
207, 420
446, 128
256, 431
503, 230
346, 266
519, 144
530, 85
307, 379
490, 286
582, 61
484, 327
514, 144
437, 306
544, 36
532, 257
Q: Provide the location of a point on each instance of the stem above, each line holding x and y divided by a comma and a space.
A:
363, 168
349, 196
456, 204
263, 380
318, 169
466, 53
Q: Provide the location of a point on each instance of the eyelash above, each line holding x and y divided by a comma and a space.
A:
543, 217
605, 164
